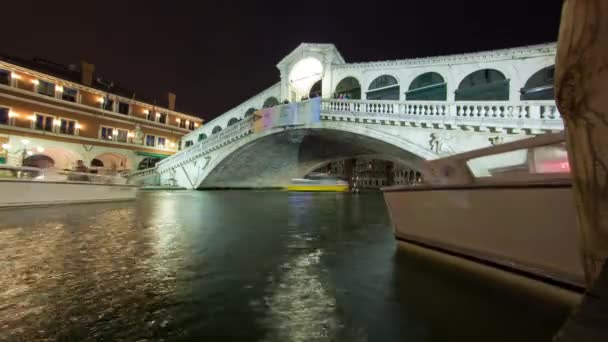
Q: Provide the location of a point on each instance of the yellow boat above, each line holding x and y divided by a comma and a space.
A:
318, 183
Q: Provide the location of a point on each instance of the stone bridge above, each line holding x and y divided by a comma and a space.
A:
405, 111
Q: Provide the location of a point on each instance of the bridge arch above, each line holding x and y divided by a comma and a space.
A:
270, 102
275, 157
249, 112
216, 129
539, 86
383, 87
232, 121
429, 86
483, 85
349, 86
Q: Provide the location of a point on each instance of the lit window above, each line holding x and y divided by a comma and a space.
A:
107, 133
5, 77
122, 136
67, 127
161, 142
46, 88
123, 108
69, 94
44, 122
150, 140
4, 116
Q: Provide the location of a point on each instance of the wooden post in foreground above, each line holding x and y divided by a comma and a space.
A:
581, 90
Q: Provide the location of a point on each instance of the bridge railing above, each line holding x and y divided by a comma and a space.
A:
223, 137
500, 114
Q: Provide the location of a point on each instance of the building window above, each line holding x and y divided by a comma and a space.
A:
151, 116
69, 94
162, 118
123, 108
5, 77
161, 142
46, 88
4, 116
122, 136
44, 122
191, 125
182, 124
189, 143
108, 104
67, 127
106, 133
150, 140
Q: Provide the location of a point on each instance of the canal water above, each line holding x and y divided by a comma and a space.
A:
247, 266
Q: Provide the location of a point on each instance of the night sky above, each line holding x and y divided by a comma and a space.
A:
216, 54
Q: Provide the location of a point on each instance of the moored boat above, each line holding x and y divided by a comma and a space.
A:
509, 205
29, 186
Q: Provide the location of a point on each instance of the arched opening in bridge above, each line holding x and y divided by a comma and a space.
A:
303, 76
216, 129
202, 137
96, 163
384, 87
232, 121
250, 112
316, 89
429, 86
270, 102
39, 160
484, 85
147, 163
111, 161
540, 85
276, 159
348, 88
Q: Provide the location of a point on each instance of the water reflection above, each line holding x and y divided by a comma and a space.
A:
243, 266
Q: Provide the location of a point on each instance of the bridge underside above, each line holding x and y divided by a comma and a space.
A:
274, 160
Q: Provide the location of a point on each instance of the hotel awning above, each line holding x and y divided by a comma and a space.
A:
151, 155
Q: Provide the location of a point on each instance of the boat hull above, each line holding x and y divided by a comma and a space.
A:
318, 188
530, 229
17, 193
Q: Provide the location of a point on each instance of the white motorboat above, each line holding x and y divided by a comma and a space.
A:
510, 205
29, 186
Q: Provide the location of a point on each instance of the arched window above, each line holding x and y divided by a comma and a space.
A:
349, 87
271, 102
250, 112
96, 163
315, 90
216, 129
540, 85
202, 137
384, 87
429, 86
483, 85
232, 121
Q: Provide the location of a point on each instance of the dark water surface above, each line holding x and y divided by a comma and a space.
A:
244, 266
